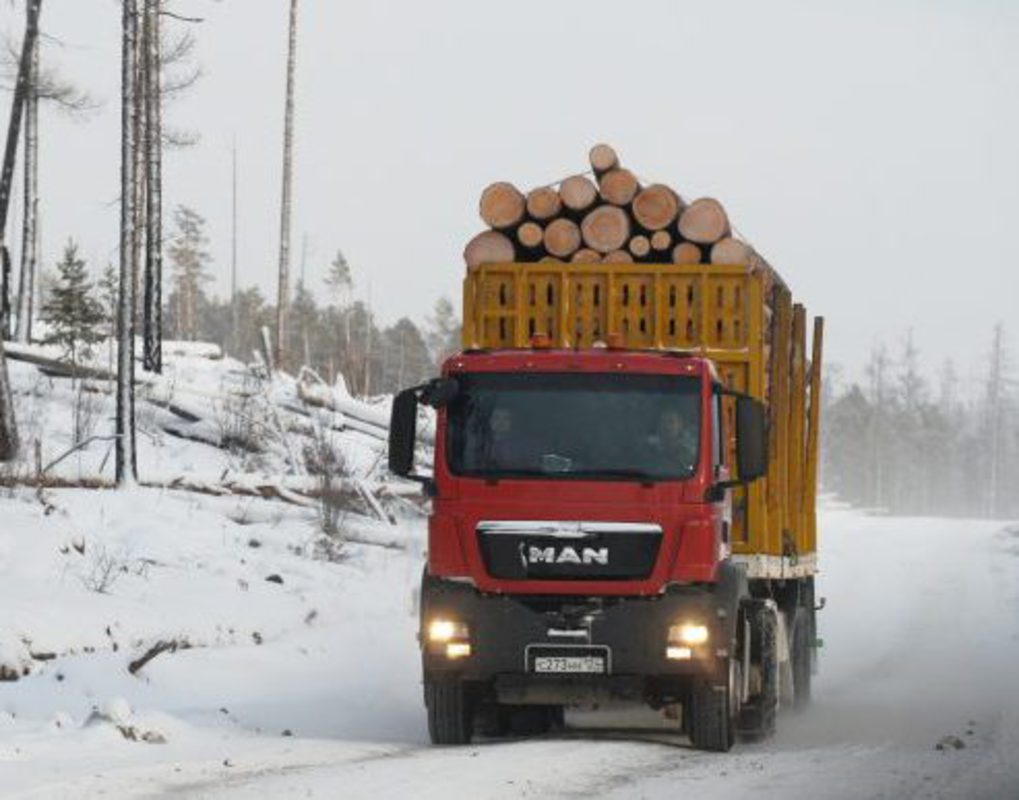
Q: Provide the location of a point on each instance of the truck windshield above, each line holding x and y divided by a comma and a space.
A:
593, 426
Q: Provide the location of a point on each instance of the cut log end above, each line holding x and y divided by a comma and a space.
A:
704, 221
617, 257
731, 251
656, 207
562, 238
578, 193
502, 205
686, 253
543, 203
603, 158
490, 247
605, 229
530, 235
661, 241
586, 256
618, 187
639, 246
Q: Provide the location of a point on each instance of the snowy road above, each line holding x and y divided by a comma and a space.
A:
921, 642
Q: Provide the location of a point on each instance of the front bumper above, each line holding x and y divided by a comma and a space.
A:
633, 630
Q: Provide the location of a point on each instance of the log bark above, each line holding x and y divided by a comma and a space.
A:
586, 256
578, 193
656, 207
543, 203
530, 235
490, 247
661, 241
502, 206
686, 253
639, 246
704, 221
603, 158
605, 229
618, 187
562, 238
730, 251
617, 257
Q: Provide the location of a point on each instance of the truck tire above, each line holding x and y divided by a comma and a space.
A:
450, 711
714, 709
801, 656
757, 717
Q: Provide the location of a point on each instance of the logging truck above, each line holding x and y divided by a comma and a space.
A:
623, 489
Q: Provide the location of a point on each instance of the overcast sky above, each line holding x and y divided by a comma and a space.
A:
869, 149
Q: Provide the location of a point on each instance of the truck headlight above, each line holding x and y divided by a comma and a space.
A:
446, 630
456, 650
688, 634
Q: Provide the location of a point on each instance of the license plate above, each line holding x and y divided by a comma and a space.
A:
570, 664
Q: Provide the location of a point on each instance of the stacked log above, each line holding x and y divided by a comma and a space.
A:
605, 216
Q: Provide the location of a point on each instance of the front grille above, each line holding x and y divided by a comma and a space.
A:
553, 550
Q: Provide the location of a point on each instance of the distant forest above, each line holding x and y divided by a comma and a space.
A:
894, 442
900, 444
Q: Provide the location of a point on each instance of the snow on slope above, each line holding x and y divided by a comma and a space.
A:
309, 683
921, 638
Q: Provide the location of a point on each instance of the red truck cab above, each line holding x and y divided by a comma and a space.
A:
578, 542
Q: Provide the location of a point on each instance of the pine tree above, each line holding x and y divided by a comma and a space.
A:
444, 331
75, 316
304, 324
995, 402
190, 260
339, 280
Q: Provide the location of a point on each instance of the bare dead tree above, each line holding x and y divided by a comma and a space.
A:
153, 147
283, 294
126, 461
29, 228
234, 319
45, 87
8, 425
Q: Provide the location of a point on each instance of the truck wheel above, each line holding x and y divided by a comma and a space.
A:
713, 711
801, 657
450, 711
757, 718
492, 720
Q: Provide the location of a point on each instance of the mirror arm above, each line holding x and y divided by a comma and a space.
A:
429, 487
716, 492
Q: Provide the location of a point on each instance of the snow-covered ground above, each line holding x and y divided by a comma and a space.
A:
297, 675
921, 638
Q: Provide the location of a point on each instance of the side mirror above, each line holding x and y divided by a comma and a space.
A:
751, 439
440, 392
402, 432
